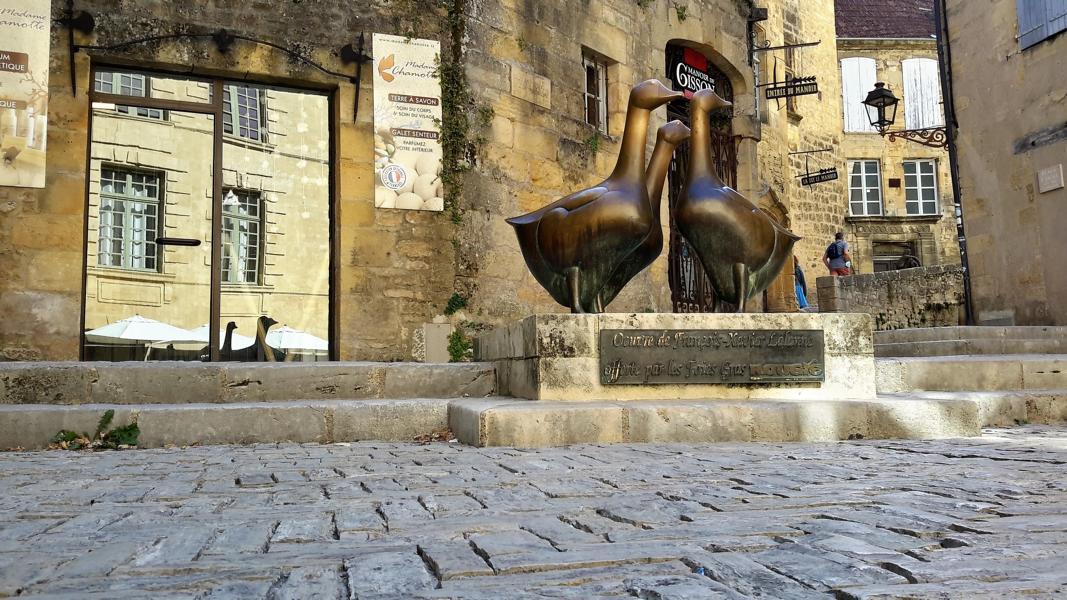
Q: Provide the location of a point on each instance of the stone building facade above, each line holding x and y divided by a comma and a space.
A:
1010, 101
517, 131
901, 209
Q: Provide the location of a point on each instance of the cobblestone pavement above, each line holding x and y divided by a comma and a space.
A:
973, 518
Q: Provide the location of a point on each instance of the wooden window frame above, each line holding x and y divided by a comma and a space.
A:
864, 188
920, 202
599, 97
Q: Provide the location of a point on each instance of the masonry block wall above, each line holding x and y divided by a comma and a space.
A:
920, 297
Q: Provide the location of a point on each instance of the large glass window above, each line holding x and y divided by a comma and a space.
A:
864, 188
242, 112
127, 84
920, 187
129, 219
241, 226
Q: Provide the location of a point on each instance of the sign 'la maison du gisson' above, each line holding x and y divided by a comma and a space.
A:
695, 356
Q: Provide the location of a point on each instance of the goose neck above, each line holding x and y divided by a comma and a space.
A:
631, 163
700, 164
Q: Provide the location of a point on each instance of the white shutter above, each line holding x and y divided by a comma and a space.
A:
922, 94
1033, 20
857, 78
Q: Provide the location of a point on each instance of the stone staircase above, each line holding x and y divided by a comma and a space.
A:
226, 403
933, 396
957, 341
1013, 375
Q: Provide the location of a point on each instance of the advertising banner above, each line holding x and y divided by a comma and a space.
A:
24, 42
407, 118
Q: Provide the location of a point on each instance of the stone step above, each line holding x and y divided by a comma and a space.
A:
998, 372
1004, 408
211, 383
32, 426
532, 424
1052, 345
931, 334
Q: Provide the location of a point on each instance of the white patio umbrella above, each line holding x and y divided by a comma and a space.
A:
138, 329
287, 338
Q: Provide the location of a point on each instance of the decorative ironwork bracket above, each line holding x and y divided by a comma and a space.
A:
934, 137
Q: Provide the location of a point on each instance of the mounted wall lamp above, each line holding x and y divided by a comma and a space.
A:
881, 107
82, 21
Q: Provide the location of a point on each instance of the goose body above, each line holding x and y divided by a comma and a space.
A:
667, 139
574, 245
741, 247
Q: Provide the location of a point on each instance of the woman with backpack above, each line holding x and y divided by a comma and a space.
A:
836, 257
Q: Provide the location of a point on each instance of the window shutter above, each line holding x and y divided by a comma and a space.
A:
1033, 20
922, 94
1057, 17
857, 78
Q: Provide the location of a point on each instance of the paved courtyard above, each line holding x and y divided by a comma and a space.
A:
971, 518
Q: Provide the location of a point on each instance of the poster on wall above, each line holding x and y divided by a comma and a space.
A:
407, 117
24, 42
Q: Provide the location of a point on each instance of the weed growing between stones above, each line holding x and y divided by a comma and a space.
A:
460, 347
455, 303
119, 438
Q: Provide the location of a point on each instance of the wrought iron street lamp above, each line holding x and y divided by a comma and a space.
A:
881, 107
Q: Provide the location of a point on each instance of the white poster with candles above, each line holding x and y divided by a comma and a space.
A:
24, 41
407, 119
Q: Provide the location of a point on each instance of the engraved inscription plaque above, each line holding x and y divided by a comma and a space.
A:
680, 356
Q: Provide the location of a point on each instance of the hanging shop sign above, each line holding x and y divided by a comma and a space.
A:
24, 47
798, 86
407, 119
828, 174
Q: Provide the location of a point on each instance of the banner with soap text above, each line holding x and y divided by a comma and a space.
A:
407, 124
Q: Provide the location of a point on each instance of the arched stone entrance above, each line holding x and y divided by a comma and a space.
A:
690, 69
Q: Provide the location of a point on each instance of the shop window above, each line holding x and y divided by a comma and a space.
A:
596, 92
922, 94
857, 78
894, 256
127, 84
1040, 20
864, 188
242, 218
920, 187
129, 219
243, 114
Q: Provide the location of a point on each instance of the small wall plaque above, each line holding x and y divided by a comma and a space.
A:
1050, 178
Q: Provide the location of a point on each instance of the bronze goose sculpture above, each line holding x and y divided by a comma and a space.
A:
740, 246
573, 245
667, 139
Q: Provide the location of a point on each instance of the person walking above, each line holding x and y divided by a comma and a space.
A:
801, 285
836, 258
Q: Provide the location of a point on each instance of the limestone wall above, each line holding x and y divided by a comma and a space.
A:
920, 297
1012, 108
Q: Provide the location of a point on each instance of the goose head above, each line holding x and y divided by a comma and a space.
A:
267, 322
673, 133
707, 100
652, 94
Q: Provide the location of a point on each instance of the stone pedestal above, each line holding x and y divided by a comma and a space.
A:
556, 357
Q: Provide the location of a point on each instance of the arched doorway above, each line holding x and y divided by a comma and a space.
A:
689, 70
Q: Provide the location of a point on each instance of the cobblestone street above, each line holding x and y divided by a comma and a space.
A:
972, 518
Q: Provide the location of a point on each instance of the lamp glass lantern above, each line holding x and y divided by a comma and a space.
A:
881, 107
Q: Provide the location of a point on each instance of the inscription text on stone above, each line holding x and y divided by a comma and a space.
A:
679, 356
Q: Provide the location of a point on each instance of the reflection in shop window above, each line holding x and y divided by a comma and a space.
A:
249, 120
241, 226
129, 219
127, 84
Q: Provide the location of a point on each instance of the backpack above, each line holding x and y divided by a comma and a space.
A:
833, 251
